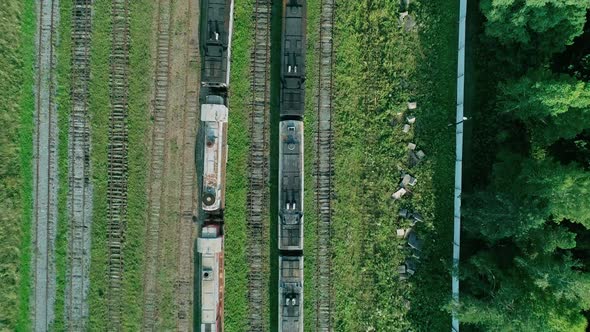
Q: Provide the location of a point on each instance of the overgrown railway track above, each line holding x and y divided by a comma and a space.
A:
184, 284
80, 187
45, 173
324, 169
117, 159
157, 164
258, 159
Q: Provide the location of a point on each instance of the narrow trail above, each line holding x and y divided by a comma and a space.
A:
184, 284
324, 170
80, 186
117, 159
258, 168
157, 165
45, 173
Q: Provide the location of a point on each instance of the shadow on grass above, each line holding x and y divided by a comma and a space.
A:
436, 96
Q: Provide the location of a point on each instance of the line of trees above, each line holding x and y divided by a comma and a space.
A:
526, 263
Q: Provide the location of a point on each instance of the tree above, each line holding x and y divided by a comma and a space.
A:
542, 25
496, 216
557, 276
551, 106
521, 275
530, 283
563, 189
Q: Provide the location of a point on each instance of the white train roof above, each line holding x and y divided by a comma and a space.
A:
214, 113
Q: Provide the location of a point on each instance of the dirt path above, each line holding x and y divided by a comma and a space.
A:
45, 169
80, 187
258, 169
172, 185
324, 171
117, 159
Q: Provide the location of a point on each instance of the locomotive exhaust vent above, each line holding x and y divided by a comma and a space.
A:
207, 275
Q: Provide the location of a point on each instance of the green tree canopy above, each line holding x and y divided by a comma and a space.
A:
552, 106
563, 189
530, 283
517, 305
497, 216
522, 276
525, 194
542, 25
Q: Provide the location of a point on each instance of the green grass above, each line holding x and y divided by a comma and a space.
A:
236, 266
99, 117
436, 71
310, 213
138, 121
64, 107
27, 103
379, 68
17, 27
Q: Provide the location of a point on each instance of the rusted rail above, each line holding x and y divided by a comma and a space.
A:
45, 173
324, 170
80, 186
184, 290
258, 161
117, 159
157, 165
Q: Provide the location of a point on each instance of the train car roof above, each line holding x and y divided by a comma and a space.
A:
214, 113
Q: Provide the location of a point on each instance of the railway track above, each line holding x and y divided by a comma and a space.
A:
80, 187
117, 159
45, 173
184, 290
258, 167
324, 170
157, 165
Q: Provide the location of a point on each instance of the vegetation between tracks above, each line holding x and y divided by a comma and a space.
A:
310, 213
99, 117
64, 108
138, 120
140, 62
236, 266
379, 68
17, 28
